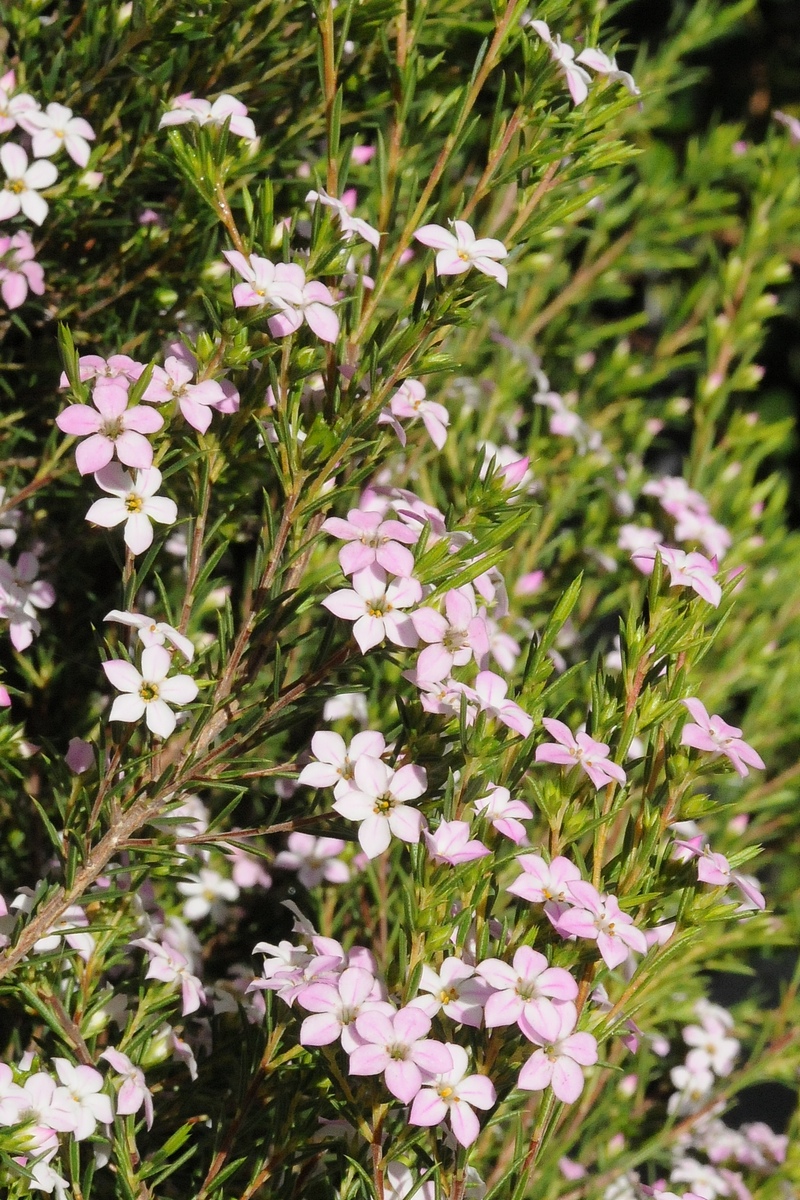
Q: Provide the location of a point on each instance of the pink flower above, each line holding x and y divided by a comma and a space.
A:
455, 990
195, 400
119, 369
399, 1049
600, 918
336, 1006
675, 495
378, 801
56, 127
23, 184
135, 502
503, 812
170, 966
409, 402
525, 990
336, 761
376, 608
715, 869
350, 225
685, 570
545, 883
714, 734
149, 694
582, 751
563, 56
558, 1063
21, 595
455, 1094
451, 844
638, 537
461, 250
453, 639
315, 859
284, 286
110, 428
701, 527
247, 871
134, 1091
186, 108
18, 270
373, 541
597, 61
490, 695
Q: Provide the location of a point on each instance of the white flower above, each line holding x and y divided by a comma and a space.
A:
206, 893
84, 1087
150, 693
23, 183
153, 633
56, 127
135, 503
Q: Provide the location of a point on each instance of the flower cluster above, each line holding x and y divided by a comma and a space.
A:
41, 134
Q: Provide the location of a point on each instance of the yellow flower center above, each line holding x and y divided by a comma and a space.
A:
17, 186
134, 503
148, 692
445, 1092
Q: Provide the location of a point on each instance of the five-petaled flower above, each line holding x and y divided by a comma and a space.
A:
456, 1094
133, 501
195, 400
460, 250
524, 990
398, 1047
371, 540
110, 428
714, 734
55, 127
375, 605
24, 183
377, 798
409, 402
584, 751
562, 1053
150, 692
600, 918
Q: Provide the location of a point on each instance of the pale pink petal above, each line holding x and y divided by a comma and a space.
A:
428, 1108
567, 1079
464, 1123
403, 1079
537, 1073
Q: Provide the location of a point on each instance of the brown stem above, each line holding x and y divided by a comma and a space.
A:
329, 86
494, 161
